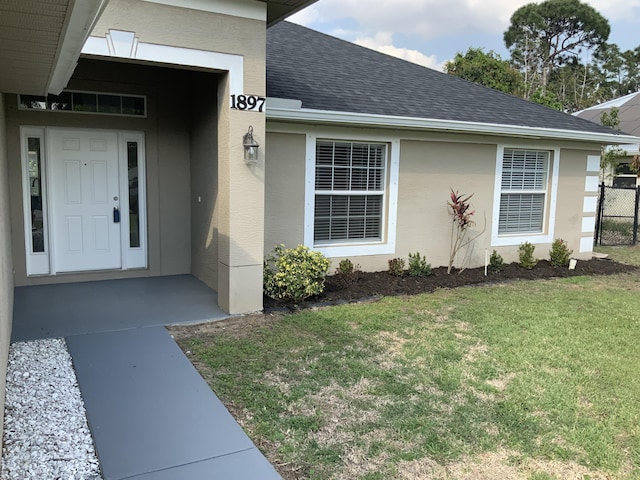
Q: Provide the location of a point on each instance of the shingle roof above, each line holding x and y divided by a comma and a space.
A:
327, 73
628, 112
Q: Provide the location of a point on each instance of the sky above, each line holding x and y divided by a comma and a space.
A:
431, 32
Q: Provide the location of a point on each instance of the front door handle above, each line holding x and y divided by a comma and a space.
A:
116, 215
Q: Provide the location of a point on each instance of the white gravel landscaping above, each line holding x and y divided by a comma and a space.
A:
46, 436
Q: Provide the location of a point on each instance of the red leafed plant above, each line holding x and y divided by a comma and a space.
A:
460, 210
461, 214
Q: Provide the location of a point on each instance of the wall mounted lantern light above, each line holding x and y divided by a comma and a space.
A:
250, 147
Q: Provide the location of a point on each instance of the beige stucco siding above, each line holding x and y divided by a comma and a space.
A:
284, 190
204, 183
174, 176
430, 166
428, 172
194, 29
571, 194
167, 150
6, 263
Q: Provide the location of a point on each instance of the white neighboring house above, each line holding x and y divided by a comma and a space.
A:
629, 115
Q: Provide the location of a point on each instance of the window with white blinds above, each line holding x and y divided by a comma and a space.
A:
350, 179
524, 184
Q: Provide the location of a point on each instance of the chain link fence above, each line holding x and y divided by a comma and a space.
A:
617, 220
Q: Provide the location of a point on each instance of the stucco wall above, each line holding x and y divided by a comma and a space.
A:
284, 190
167, 148
195, 29
6, 264
571, 195
430, 165
204, 180
428, 172
174, 174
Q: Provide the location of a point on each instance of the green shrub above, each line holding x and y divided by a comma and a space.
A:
347, 273
396, 267
294, 274
559, 255
418, 266
496, 263
527, 260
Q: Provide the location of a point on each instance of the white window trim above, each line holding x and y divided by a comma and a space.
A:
83, 112
37, 263
390, 209
549, 218
133, 257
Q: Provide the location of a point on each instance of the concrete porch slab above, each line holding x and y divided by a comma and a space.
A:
62, 310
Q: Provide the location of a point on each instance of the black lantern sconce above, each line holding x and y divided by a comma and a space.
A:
250, 147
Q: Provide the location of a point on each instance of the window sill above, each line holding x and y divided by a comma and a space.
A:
352, 250
510, 240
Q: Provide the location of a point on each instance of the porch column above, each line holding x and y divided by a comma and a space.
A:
6, 259
241, 209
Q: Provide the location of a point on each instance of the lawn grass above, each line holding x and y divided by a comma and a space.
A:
531, 380
623, 254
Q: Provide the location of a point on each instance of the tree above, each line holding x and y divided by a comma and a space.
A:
610, 64
547, 99
545, 36
632, 70
619, 71
487, 69
611, 118
575, 85
610, 155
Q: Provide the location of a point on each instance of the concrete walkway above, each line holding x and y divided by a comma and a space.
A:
151, 414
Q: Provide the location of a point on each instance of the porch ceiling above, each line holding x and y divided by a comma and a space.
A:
280, 9
40, 41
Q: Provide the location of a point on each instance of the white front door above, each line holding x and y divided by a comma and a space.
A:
85, 196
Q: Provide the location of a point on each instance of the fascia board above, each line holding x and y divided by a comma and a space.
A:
360, 119
80, 22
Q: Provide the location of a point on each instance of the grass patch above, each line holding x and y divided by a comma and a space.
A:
530, 380
626, 254
624, 227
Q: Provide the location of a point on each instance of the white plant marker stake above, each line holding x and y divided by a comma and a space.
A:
486, 260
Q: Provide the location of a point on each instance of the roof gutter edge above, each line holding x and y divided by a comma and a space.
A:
364, 119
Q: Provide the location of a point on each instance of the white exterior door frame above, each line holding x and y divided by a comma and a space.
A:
125, 188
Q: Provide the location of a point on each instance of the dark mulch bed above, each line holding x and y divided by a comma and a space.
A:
377, 284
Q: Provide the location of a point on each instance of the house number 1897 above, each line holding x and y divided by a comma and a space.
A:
247, 102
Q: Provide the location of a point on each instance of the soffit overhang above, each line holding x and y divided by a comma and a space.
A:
40, 42
280, 9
